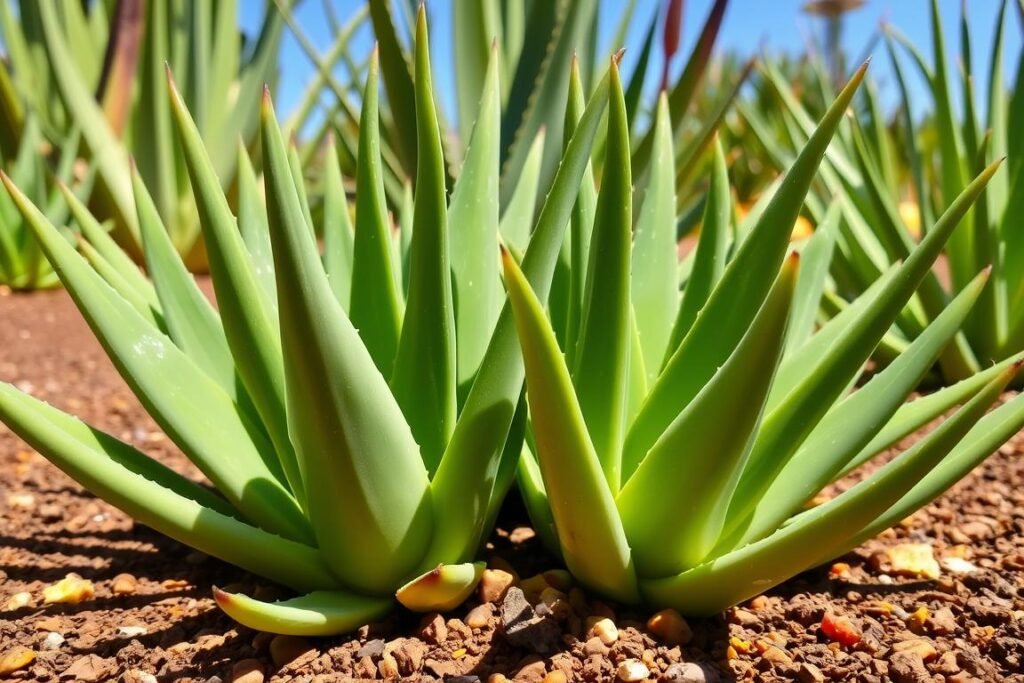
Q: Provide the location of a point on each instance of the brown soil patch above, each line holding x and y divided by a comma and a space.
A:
151, 616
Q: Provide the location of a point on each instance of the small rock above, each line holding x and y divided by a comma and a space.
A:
124, 584
605, 630
521, 535
689, 672
742, 617
90, 668
247, 671
71, 589
555, 677
631, 670
913, 559
941, 622
809, 673
533, 672
921, 647
841, 629
52, 641
776, 655
21, 501
132, 631
594, 646
19, 600
958, 565
434, 629
670, 627
523, 627
409, 655
50, 512
136, 676
494, 583
908, 667
372, 649
15, 659
479, 616
287, 649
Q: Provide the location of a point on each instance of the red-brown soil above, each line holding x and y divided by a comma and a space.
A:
152, 618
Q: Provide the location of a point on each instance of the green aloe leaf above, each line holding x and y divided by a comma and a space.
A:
791, 419
473, 219
398, 81
376, 309
424, 379
739, 295
320, 613
601, 369
246, 315
467, 477
192, 321
850, 425
654, 285
158, 497
590, 532
207, 426
815, 259
709, 257
365, 481
674, 505
339, 240
252, 224
822, 532
517, 219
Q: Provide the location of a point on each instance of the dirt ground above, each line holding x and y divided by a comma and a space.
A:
144, 611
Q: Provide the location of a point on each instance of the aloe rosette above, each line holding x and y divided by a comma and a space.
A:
357, 410
676, 441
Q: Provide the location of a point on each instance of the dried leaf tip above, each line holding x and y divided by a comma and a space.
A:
221, 597
618, 55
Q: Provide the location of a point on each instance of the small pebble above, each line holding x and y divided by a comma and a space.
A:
19, 600
124, 584
15, 659
132, 631
479, 616
52, 641
632, 670
247, 671
605, 630
670, 627
689, 672
494, 583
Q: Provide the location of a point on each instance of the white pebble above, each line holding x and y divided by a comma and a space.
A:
131, 631
632, 670
52, 641
958, 565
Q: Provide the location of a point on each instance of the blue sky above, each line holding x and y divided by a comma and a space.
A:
750, 26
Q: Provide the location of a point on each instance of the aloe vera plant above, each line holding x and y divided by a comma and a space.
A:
675, 444
22, 264
58, 70
357, 410
891, 186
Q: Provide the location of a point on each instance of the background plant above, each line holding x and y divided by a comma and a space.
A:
677, 473
893, 176
98, 67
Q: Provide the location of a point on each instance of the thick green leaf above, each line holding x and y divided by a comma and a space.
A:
709, 257
517, 219
674, 505
424, 379
337, 230
365, 481
590, 533
156, 496
822, 532
246, 315
466, 480
194, 411
601, 369
320, 613
376, 306
814, 259
654, 285
398, 81
473, 219
735, 301
850, 425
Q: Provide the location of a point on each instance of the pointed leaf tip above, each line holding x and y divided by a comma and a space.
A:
618, 55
